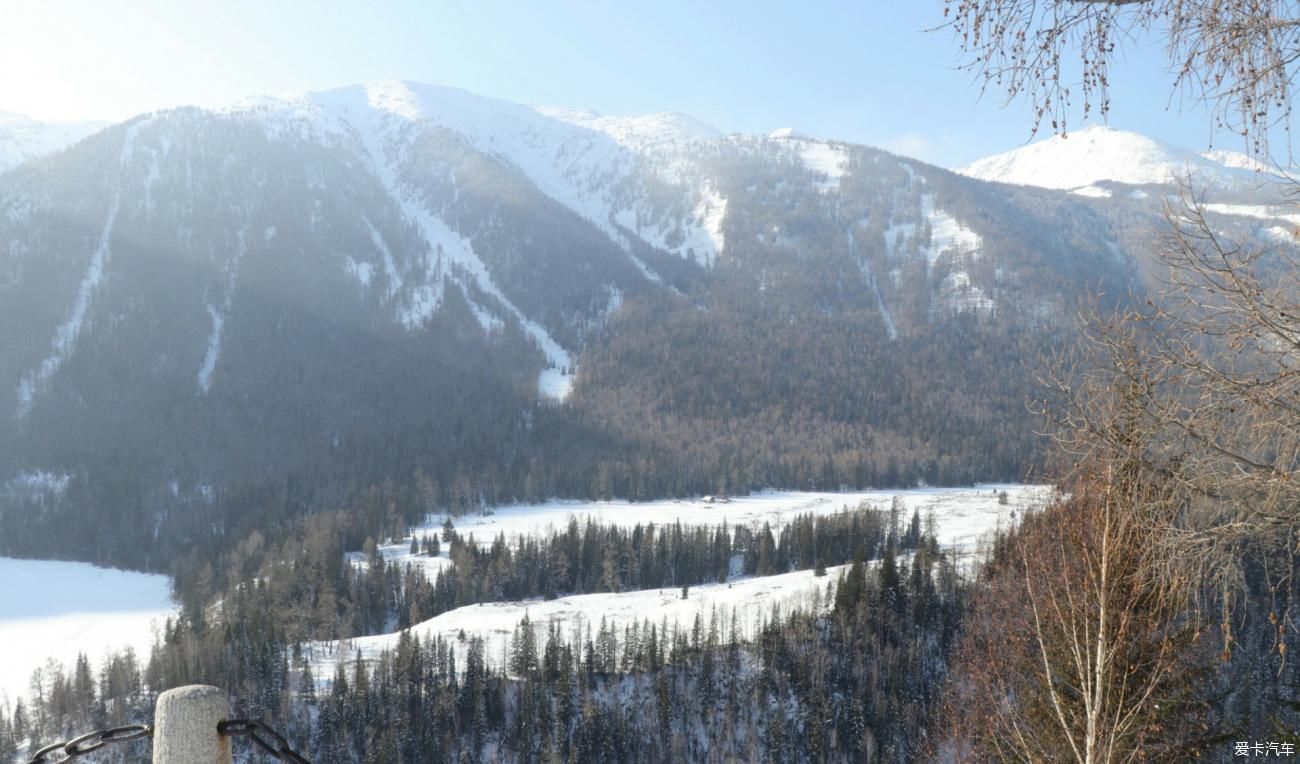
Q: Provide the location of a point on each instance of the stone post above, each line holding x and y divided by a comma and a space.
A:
185, 726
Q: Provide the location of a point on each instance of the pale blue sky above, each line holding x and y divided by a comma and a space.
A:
860, 71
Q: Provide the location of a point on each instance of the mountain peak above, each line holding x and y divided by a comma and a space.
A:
23, 138
1099, 153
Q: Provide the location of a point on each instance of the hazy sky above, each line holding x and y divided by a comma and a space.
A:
854, 70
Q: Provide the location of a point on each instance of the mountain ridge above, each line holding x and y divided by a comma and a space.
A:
1080, 160
299, 296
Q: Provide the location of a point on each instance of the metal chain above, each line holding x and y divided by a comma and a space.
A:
91, 741
254, 730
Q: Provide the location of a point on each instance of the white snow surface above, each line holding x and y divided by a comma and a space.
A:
554, 384
638, 132
751, 599
218, 313
1097, 192
826, 158
1261, 211
65, 337
53, 609
361, 271
1097, 153
214, 349
963, 516
1245, 162
22, 138
947, 234
960, 295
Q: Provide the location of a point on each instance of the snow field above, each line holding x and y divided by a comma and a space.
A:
750, 600
963, 517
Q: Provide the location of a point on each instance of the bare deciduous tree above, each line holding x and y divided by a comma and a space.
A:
1081, 647
1238, 56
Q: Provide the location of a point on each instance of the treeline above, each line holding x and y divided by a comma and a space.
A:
596, 557
852, 677
319, 595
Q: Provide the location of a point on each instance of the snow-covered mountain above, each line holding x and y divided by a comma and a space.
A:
1097, 154
356, 283
22, 138
639, 132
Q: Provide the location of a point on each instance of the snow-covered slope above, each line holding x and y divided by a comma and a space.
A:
749, 599
963, 513
584, 161
639, 132
963, 516
22, 138
1096, 154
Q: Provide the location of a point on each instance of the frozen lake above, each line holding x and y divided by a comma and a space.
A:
52, 609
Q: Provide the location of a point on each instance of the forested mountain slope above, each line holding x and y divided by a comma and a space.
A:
212, 319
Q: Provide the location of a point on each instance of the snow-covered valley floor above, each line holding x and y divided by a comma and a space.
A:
52, 609
579, 616
963, 517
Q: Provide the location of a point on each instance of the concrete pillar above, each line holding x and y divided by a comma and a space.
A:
185, 726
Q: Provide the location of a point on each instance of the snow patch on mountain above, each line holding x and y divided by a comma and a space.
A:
393, 275
706, 238
827, 159
65, 337
486, 319
209, 364
361, 271
822, 157
960, 295
865, 266
947, 234
218, 313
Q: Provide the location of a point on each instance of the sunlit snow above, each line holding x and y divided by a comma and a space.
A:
56, 610
1081, 158
963, 516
